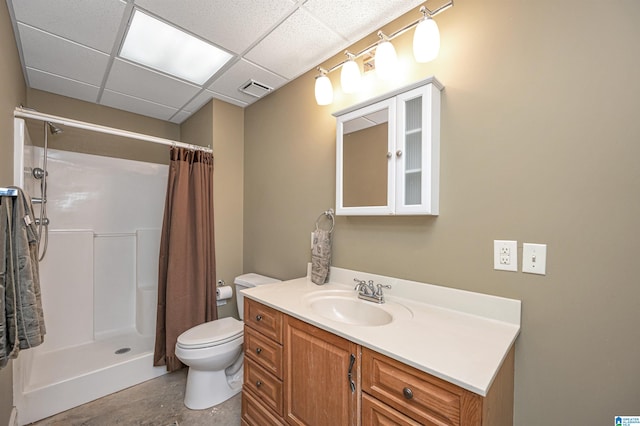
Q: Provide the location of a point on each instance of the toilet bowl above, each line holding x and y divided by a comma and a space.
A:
213, 353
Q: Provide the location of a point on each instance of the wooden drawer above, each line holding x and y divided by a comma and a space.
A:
375, 413
264, 351
266, 387
424, 398
256, 414
266, 320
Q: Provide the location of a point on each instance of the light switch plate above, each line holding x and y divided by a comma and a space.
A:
534, 258
505, 255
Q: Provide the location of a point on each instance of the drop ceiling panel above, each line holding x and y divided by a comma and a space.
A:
180, 117
135, 105
198, 101
296, 46
143, 83
62, 86
355, 19
240, 73
56, 55
231, 25
91, 23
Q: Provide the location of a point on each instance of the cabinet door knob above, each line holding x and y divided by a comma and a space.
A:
258, 383
258, 350
399, 153
408, 393
258, 317
389, 154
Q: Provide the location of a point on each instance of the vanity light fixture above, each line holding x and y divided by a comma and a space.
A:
386, 59
426, 45
426, 38
350, 74
324, 89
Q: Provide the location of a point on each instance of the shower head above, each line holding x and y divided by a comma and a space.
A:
55, 130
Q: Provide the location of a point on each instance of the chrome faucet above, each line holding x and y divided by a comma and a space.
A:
368, 291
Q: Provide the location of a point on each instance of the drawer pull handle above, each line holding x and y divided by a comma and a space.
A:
258, 317
258, 383
408, 393
258, 350
352, 384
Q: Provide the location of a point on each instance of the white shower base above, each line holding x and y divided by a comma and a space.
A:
83, 373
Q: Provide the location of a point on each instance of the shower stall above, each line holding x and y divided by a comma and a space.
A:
98, 276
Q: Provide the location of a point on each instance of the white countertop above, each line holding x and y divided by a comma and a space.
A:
458, 336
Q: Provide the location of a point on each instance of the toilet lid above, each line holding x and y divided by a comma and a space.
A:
211, 333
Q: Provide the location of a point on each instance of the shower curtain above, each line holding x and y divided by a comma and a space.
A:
186, 271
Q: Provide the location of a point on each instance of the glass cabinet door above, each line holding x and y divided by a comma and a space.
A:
416, 153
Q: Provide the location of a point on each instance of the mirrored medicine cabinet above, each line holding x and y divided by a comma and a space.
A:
388, 153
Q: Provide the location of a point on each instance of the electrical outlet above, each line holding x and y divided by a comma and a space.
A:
505, 255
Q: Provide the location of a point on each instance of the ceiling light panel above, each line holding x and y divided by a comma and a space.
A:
165, 48
232, 25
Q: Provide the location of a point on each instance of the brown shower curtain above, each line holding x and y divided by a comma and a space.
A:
186, 270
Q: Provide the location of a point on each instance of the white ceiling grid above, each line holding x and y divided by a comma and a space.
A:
70, 47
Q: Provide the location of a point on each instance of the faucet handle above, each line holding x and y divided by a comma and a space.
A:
380, 287
360, 284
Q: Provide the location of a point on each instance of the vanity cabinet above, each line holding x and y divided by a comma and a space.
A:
262, 390
298, 374
402, 395
295, 373
321, 376
388, 153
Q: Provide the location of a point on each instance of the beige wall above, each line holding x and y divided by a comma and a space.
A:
90, 142
12, 94
223, 124
539, 144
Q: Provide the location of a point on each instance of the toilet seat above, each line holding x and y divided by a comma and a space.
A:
212, 333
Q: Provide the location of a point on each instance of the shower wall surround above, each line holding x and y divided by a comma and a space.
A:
98, 279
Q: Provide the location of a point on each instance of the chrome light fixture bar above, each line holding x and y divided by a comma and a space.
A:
426, 44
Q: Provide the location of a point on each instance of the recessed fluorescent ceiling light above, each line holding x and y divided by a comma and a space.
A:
153, 43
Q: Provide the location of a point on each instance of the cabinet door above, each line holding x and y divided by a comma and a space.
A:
365, 175
322, 376
418, 151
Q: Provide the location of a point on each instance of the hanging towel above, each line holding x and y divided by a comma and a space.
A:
21, 317
320, 256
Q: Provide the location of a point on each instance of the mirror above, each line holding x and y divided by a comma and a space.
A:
365, 163
364, 140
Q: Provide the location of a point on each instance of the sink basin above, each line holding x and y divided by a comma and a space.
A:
350, 311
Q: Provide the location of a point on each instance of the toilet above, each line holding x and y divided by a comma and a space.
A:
213, 353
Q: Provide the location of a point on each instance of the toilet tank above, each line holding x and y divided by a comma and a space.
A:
248, 281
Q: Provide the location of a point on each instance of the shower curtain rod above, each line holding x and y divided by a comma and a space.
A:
21, 112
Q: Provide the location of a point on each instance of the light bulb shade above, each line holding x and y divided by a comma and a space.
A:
386, 60
350, 76
324, 90
426, 41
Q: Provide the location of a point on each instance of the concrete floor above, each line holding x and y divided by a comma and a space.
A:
158, 402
